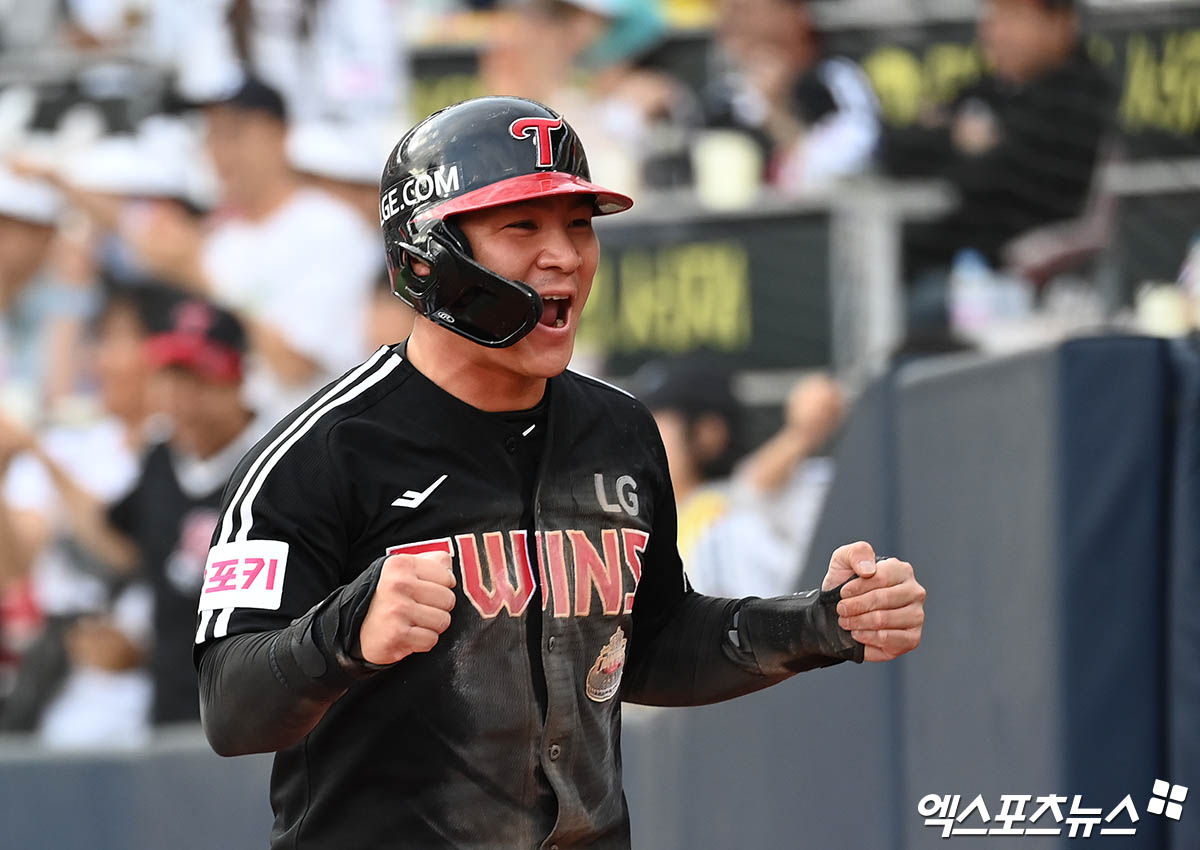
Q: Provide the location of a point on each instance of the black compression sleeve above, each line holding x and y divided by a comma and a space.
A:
265, 691
711, 649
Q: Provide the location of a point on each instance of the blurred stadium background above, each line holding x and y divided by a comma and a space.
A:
934, 275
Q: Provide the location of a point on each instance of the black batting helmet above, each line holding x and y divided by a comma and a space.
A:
476, 154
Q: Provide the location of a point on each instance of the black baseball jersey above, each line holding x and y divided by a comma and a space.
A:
506, 734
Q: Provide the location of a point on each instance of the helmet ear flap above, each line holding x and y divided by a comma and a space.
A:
440, 260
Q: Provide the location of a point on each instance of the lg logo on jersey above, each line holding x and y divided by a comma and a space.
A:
627, 498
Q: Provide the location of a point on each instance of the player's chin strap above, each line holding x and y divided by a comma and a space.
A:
791, 634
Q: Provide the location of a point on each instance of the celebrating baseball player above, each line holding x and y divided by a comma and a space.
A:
433, 584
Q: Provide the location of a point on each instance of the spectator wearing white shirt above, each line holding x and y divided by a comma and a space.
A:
296, 264
344, 160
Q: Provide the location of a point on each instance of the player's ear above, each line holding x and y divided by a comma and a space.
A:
419, 268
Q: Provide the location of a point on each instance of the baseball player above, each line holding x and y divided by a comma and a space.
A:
433, 584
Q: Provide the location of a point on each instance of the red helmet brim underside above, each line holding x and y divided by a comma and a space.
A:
526, 187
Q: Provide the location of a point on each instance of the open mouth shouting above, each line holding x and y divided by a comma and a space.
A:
556, 311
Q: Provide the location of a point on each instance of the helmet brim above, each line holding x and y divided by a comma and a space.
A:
527, 187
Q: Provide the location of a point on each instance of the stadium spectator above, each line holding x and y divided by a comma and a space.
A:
170, 514
1020, 146
814, 115
343, 160
744, 527
123, 179
41, 316
161, 527
327, 57
304, 309
85, 667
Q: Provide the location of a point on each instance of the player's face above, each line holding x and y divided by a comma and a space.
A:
549, 244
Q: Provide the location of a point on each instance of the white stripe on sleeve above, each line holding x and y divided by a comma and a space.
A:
303, 421
221, 629
202, 631
258, 479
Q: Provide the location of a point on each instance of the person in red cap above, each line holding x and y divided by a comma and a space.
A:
158, 530
169, 515
433, 585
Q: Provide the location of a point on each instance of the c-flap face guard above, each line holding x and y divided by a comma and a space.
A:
472, 301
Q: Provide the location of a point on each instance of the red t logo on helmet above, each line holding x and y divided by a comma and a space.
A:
539, 130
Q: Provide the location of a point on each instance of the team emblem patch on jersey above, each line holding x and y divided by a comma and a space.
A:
604, 678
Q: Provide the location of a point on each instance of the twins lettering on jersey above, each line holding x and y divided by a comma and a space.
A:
572, 568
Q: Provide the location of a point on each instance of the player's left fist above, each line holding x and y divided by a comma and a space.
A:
882, 605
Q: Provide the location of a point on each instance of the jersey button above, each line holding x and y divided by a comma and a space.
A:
550, 643
555, 752
510, 445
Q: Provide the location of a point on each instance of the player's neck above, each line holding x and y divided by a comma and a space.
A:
459, 367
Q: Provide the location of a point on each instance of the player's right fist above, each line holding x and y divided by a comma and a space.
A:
410, 608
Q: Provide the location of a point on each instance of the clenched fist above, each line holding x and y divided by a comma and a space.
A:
883, 608
410, 609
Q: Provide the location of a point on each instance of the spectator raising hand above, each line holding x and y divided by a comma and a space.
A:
169, 242
22, 532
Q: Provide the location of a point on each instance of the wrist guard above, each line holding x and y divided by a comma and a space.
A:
790, 634
318, 653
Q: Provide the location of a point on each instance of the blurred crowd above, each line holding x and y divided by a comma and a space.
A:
189, 247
